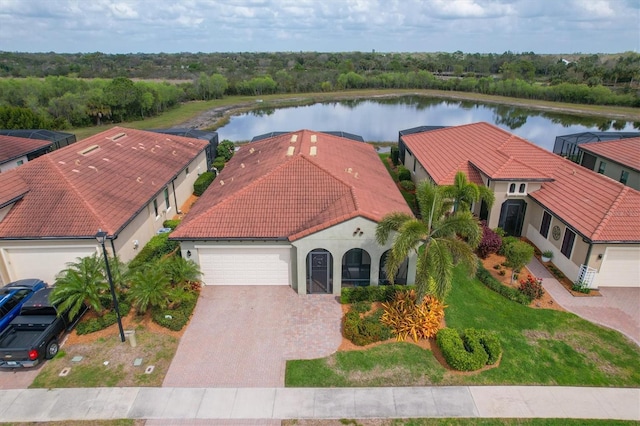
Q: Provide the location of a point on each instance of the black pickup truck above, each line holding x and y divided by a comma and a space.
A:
33, 335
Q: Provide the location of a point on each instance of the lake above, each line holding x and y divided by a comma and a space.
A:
378, 120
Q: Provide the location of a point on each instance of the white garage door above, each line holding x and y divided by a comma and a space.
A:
42, 262
245, 265
620, 268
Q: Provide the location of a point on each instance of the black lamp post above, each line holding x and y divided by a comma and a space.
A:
101, 236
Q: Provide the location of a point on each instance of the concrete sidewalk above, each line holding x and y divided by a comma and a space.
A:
32, 405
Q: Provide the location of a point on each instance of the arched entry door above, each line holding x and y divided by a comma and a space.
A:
401, 275
319, 272
512, 217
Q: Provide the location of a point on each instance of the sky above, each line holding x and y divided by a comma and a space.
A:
470, 26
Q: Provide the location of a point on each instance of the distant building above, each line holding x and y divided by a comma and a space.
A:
57, 139
16, 151
618, 159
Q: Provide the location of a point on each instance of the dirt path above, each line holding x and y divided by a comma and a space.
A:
216, 117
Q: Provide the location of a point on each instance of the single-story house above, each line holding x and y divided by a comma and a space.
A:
58, 139
297, 209
207, 135
15, 151
590, 222
125, 182
618, 159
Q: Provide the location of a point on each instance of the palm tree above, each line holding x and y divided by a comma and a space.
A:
180, 270
440, 239
83, 282
465, 193
150, 286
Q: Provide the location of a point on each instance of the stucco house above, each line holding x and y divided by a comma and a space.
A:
297, 209
15, 151
619, 159
122, 181
590, 222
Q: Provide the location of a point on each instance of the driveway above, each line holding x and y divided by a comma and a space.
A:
241, 336
617, 308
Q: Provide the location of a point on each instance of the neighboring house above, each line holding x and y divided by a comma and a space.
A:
297, 209
619, 159
123, 181
57, 139
209, 136
569, 145
590, 222
16, 151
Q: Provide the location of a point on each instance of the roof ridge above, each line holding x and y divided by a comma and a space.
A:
611, 212
73, 187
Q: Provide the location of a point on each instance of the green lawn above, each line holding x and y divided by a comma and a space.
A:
541, 347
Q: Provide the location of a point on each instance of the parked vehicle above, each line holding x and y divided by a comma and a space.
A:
34, 334
13, 296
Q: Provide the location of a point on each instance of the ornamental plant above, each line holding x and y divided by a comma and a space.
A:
532, 287
409, 318
490, 242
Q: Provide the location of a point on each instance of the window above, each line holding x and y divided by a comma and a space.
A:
546, 222
522, 188
167, 204
512, 188
603, 166
20, 162
414, 164
155, 207
567, 242
624, 177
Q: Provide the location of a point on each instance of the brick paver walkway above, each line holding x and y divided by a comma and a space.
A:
617, 308
242, 336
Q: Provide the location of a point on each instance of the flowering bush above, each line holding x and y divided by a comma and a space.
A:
490, 243
532, 287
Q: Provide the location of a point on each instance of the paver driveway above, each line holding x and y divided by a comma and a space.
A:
241, 336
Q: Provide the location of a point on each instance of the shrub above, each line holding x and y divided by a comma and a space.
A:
500, 232
497, 267
175, 319
218, 163
100, 323
408, 185
225, 149
490, 242
395, 155
469, 350
409, 318
367, 329
372, 293
171, 223
203, 182
403, 173
506, 241
532, 287
510, 293
157, 247
581, 287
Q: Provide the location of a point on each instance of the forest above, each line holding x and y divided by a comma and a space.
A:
59, 91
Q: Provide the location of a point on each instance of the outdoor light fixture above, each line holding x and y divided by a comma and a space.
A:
188, 253
101, 237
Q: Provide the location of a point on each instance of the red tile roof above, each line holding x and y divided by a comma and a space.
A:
265, 193
623, 151
596, 206
12, 147
99, 182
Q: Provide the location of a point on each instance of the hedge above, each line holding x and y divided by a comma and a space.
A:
403, 173
469, 350
100, 323
513, 294
203, 182
157, 247
371, 293
171, 223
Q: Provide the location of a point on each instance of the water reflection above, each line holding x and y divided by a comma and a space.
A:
380, 119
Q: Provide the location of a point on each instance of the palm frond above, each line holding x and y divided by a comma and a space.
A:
391, 222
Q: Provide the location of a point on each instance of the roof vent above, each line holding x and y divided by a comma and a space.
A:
294, 138
242, 165
77, 162
221, 182
313, 151
251, 151
314, 138
75, 170
174, 152
139, 180
349, 170
106, 159
290, 151
61, 162
89, 149
117, 136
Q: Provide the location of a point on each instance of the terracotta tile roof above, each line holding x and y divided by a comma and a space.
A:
12, 147
596, 206
100, 182
12, 187
623, 151
265, 193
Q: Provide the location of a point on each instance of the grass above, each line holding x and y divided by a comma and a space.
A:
464, 422
541, 347
189, 110
155, 349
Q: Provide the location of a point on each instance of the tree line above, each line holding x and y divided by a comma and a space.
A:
59, 102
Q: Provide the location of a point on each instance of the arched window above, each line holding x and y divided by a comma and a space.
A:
401, 275
356, 268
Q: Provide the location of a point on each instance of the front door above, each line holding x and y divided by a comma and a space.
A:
512, 217
319, 270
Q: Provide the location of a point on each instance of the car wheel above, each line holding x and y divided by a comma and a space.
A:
52, 349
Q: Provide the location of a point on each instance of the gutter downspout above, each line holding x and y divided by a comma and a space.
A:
175, 199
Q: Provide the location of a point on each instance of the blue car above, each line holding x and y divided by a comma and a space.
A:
13, 295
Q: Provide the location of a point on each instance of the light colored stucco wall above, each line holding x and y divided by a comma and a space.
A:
338, 240
614, 171
418, 173
5, 167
